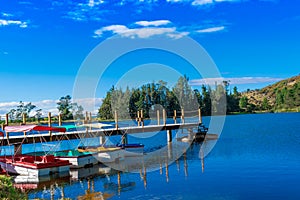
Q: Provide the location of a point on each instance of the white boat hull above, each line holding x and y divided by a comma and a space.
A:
27, 171
77, 174
81, 161
110, 156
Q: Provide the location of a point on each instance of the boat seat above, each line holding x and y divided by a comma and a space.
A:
27, 159
48, 159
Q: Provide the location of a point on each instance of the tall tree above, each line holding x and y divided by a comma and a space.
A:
64, 107
23, 108
265, 104
77, 111
105, 110
243, 103
218, 97
38, 115
185, 95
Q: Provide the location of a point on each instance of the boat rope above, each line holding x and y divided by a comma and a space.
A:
16, 150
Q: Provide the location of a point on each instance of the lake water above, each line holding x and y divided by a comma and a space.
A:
256, 157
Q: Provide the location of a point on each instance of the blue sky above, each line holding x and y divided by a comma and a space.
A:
43, 43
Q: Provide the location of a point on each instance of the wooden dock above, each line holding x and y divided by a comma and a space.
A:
56, 136
195, 128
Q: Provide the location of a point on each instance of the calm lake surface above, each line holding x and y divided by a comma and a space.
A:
256, 157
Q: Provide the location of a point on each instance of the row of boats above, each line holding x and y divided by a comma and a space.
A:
46, 163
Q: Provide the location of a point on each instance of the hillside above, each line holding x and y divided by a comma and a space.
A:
284, 94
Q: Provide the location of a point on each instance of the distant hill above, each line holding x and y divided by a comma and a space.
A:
283, 95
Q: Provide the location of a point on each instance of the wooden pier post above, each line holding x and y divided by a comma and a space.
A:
116, 119
175, 116
202, 158
24, 118
185, 165
167, 172
49, 124
158, 117
200, 116
169, 135
90, 117
182, 116
6, 119
142, 118
24, 121
145, 177
164, 117
119, 183
138, 118
59, 120
86, 117
170, 151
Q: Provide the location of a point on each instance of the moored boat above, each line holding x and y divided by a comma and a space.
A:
132, 149
2, 171
98, 169
77, 159
34, 165
105, 154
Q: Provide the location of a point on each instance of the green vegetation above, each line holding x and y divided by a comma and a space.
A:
21, 109
65, 106
7, 191
280, 97
157, 96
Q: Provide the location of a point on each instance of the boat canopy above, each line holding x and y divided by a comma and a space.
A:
69, 127
28, 128
97, 125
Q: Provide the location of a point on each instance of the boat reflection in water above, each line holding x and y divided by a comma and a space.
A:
104, 182
91, 194
96, 170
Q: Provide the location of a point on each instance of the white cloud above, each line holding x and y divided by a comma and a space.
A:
7, 14
92, 3
5, 22
147, 29
177, 35
92, 10
153, 23
212, 29
140, 32
89, 104
201, 2
174, 1
234, 81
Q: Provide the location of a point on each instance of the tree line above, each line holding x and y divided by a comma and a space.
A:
157, 96
149, 98
66, 108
